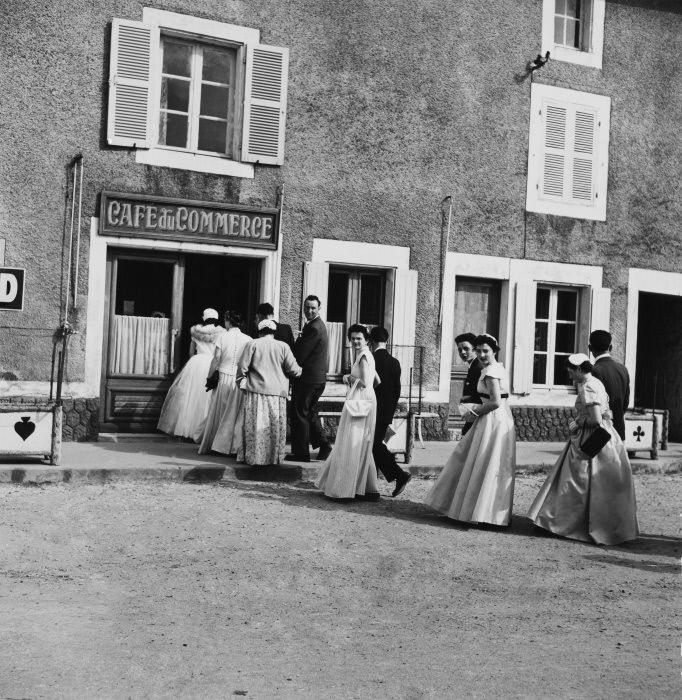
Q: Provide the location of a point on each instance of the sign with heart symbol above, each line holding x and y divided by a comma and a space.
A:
25, 427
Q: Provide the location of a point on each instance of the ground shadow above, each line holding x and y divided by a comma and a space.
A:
205, 474
643, 564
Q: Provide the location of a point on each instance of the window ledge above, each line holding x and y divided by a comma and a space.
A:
191, 161
588, 59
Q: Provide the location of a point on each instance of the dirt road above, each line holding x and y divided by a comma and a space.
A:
267, 590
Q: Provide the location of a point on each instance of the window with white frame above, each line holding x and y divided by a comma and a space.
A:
573, 31
556, 334
196, 94
568, 153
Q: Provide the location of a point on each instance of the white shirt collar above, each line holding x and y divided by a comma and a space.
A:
604, 354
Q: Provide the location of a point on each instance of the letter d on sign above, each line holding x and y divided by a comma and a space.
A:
11, 288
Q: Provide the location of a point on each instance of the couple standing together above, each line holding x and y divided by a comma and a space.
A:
374, 389
588, 495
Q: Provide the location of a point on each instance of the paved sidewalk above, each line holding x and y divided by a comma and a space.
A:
150, 457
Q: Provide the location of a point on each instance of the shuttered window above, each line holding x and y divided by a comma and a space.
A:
568, 153
193, 91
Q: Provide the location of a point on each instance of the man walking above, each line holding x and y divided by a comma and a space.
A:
613, 375
311, 351
387, 393
283, 332
465, 348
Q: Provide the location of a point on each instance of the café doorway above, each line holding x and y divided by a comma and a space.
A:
153, 301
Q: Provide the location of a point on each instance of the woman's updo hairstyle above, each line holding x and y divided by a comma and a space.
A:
358, 328
487, 339
579, 361
235, 319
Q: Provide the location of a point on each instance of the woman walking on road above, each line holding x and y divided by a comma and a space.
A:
223, 430
589, 499
186, 405
263, 374
477, 482
349, 471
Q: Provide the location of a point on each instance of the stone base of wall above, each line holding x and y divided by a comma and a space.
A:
81, 416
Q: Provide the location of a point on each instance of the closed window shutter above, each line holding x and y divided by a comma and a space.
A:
130, 84
316, 281
601, 309
404, 324
265, 103
524, 337
569, 153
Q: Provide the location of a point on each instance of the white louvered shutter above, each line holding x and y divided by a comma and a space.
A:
524, 337
265, 104
130, 84
600, 318
404, 324
316, 281
568, 167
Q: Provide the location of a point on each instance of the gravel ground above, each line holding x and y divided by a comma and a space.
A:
267, 590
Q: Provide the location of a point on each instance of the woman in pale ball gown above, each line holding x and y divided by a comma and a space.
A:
186, 406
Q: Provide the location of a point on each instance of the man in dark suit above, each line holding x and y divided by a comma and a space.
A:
387, 393
311, 351
283, 332
613, 375
465, 348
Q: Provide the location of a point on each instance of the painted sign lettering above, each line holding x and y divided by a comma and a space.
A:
11, 288
181, 220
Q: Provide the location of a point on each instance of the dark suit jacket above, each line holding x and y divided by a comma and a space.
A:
285, 334
388, 392
616, 380
311, 351
470, 389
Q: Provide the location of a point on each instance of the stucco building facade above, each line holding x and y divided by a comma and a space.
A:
400, 160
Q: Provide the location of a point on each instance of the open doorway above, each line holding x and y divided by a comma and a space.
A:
221, 283
658, 381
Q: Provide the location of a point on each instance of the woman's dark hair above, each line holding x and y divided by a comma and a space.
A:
486, 339
585, 366
358, 328
235, 319
266, 331
210, 322
466, 338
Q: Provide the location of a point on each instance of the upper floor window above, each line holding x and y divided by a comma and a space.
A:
573, 31
568, 151
195, 94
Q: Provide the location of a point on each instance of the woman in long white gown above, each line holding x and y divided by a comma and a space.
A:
477, 482
349, 471
186, 405
583, 498
223, 431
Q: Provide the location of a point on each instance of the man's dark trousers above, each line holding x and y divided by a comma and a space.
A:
383, 457
305, 423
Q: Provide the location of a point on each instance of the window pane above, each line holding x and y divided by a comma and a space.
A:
541, 333
216, 65
370, 300
565, 337
560, 6
560, 371
558, 30
173, 130
212, 135
177, 58
175, 94
337, 297
566, 306
572, 33
542, 304
214, 101
540, 369
572, 8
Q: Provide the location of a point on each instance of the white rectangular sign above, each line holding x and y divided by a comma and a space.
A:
26, 432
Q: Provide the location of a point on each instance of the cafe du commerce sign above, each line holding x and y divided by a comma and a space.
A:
185, 220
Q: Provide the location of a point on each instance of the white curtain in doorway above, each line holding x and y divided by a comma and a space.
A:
337, 346
140, 345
